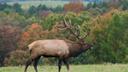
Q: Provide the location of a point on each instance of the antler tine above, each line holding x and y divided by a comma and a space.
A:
86, 35
77, 31
68, 25
65, 23
70, 22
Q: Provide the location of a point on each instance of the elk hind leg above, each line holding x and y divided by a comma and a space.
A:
29, 61
35, 62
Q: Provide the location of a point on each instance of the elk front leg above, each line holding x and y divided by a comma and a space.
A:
35, 63
67, 64
59, 65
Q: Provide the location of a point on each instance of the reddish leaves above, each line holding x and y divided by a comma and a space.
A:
75, 7
32, 33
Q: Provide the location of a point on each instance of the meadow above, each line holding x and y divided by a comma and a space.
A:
74, 68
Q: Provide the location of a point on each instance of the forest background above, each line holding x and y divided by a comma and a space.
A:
106, 20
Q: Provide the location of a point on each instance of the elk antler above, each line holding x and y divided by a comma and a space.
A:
69, 27
77, 31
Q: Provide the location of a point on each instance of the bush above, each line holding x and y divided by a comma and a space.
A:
15, 58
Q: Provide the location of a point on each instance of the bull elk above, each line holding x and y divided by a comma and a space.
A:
61, 49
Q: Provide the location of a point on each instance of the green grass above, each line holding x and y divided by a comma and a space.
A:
74, 68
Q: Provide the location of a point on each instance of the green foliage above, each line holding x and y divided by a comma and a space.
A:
17, 8
111, 45
32, 10
124, 4
13, 19
51, 20
58, 9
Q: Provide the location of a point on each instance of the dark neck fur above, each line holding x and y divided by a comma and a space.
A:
75, 49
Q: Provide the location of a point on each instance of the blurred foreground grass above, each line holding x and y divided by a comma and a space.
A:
74, 68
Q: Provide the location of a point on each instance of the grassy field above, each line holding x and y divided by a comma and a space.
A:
74, 68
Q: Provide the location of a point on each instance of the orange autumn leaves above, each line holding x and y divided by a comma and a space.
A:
75, 7
34, 26
25, 35
33, 32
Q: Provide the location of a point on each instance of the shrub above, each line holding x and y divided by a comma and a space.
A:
17, 57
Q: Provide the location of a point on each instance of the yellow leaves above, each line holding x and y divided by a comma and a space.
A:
102, 22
